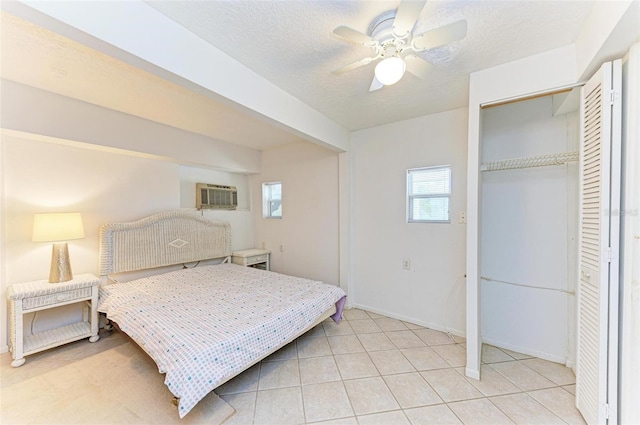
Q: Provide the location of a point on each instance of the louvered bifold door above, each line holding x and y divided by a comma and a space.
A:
596, 374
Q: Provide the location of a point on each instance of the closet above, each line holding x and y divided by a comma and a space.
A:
529, 226
550, 231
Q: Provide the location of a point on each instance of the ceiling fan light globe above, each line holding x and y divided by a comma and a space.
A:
390, 70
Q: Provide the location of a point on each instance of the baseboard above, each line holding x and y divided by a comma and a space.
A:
434, 326
472, 373
528, 351
4, 349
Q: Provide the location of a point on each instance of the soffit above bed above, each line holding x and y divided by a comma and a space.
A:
40, 58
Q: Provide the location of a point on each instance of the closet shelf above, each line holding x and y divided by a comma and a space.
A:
534, 161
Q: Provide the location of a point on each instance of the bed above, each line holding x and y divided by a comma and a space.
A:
201, 324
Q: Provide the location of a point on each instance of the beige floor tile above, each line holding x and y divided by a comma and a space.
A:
317, 330
364, 326
355, 314
373, 315
355, 365
491, 354
279, 406
479, 412
570, 388
453, 354
287, 352
516, 355
245, 382
344, 344
244, 405
26, 402
410, 325
332, 328
326, 401
279, 374
389, 325
396, 418
405, 339
555, 372
411, 390
522, 409
523, 377
424, 358
370, 395
390, 362
376, 342
211, 410
491, 382
315, 370
313, 347
560, 402
433, 337
450, 385
458, 339
342, 421
439, 414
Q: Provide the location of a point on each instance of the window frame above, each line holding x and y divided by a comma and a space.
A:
411, 196
267, 199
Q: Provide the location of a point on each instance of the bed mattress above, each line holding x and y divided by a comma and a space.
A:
204, 325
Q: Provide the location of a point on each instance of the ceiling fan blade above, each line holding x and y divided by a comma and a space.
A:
354, 65
375, 84
418, 66
406, 17
440, 36
349, 34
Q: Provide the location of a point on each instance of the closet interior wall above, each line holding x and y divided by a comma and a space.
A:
529, 230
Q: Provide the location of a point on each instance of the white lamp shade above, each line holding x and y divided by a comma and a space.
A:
52, 227
390, 70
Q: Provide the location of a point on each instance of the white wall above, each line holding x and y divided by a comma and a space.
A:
529, 231
432, 293
309, 231
240, 219
629, 376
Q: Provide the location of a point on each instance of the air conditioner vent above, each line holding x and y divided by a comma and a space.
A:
215, 196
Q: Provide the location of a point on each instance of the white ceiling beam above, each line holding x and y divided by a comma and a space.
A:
140, 30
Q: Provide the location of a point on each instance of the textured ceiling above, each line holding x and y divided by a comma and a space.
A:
291, 44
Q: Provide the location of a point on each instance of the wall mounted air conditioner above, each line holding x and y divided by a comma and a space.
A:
215, 196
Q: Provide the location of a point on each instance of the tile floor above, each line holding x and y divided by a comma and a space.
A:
369, 369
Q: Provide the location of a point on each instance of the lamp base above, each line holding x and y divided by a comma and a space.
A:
60, 265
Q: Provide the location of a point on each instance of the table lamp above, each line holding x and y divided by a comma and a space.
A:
59, 228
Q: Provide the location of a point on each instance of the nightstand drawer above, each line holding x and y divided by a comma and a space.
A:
60, 297
257, 259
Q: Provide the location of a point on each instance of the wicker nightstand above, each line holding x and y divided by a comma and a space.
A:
39, 295
257, 258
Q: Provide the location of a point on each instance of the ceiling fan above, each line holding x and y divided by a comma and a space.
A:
390, 36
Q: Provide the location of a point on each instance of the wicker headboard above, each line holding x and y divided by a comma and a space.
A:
161, 240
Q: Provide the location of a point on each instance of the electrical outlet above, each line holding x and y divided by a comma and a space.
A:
406, 264
263, 245
463, 218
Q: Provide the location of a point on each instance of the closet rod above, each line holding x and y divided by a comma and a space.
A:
534, 161
489, 279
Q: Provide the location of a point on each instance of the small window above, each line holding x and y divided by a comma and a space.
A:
272, 200
428, 194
